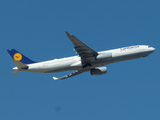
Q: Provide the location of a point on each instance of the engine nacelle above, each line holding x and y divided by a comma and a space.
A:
98, 71
106, 56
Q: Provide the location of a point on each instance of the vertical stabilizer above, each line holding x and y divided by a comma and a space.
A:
17, 56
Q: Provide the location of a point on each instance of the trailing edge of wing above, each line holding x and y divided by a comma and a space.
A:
70, 75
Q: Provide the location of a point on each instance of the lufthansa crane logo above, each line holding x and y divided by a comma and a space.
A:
17, 56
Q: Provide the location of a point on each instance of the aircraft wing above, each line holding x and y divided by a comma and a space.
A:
86, 53
70, 75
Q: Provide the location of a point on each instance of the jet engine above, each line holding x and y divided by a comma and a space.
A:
106, 56
98, 71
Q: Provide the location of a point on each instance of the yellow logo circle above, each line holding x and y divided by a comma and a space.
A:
17, 56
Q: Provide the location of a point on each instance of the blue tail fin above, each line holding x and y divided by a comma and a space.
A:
19, 57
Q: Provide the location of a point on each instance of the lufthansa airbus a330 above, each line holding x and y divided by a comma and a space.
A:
87, 59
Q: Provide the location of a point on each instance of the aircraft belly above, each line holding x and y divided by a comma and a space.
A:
101, 63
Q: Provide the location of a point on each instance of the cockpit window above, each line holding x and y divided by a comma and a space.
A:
149, 46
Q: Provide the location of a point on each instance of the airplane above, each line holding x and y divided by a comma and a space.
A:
86, 60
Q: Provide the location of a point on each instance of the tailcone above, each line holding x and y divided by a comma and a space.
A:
15, 68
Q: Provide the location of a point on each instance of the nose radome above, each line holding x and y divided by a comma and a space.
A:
153, 49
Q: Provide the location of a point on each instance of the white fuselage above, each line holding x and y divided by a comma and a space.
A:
74, 62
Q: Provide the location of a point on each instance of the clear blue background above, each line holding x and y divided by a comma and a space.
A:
129, 91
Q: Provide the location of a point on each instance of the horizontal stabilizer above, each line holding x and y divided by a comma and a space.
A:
20, 65
15, 72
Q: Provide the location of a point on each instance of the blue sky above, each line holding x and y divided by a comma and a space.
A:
129, 91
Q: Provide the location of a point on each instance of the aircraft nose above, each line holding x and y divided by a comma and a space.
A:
153, 49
